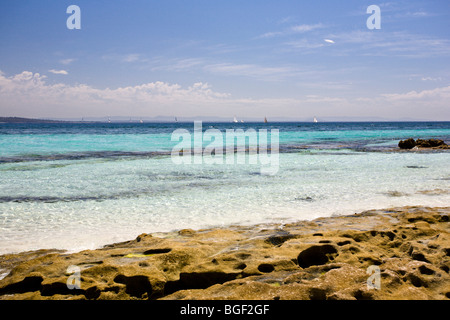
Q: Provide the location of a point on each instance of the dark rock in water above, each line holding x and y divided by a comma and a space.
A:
422, 143
309, 199
407, 144
430, 143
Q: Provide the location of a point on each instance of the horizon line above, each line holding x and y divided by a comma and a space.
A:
165, 119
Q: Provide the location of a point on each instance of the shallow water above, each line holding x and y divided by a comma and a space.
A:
78, 186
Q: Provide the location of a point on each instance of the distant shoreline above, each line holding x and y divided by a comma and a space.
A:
27, 120
192, 119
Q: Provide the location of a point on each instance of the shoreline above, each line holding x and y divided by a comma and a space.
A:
324, 258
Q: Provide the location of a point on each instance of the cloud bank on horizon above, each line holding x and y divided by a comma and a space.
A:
278, 59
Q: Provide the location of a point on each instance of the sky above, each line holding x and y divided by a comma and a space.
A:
285, 59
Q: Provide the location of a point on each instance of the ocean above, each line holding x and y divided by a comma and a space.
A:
77, 186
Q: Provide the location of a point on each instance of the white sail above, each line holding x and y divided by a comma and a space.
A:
235, 120
315, 120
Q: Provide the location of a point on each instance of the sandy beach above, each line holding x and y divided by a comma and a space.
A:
396, 253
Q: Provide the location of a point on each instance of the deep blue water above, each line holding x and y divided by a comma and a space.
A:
34, 141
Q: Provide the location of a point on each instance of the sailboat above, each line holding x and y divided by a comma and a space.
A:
176, 120
109, 120
315, 120
141, 121
265, 120
235, 120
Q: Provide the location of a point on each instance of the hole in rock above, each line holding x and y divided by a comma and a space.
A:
317, 294
266, 267
51, 289
29, 284
278, 240
157, 251
419, 256
363, 295
198, 280
316, 255
416, 281
241, 266
136, 286
425, 270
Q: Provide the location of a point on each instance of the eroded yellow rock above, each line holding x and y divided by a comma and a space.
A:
328, 258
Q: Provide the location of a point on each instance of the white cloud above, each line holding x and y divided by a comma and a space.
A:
420, 14
270, 34
285, 20
22, 81
328, 40
125, 58
132, 57
304, 44
303, 28
58, 71
413, 14
320, 99
176, 64
29, 94
441, 95
398, 43
256, 71
431, 79
250, 70
260, 72
66, 61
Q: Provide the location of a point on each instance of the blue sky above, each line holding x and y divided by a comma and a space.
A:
280, 59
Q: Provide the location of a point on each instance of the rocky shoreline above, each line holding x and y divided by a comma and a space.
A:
397, 253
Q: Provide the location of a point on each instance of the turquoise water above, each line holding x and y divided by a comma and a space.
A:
79, 186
